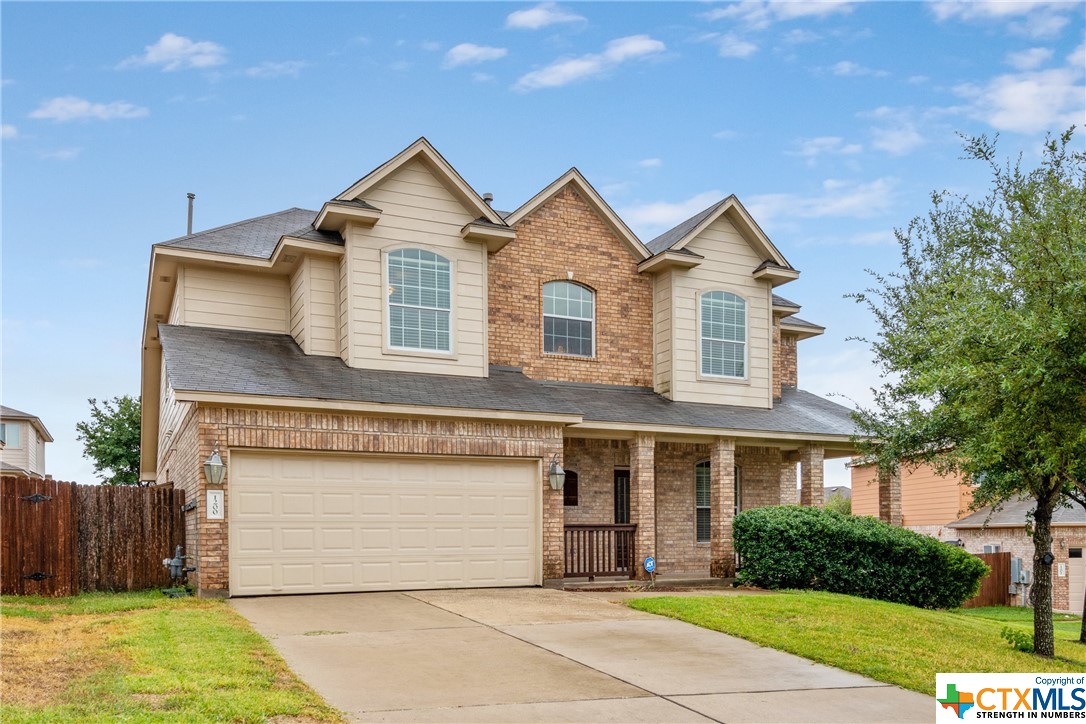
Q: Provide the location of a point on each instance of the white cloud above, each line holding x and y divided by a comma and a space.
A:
733, 46
62, 154
176, 52
269, 69
726, 135
541, 16
812, 148
568, 70
1035, 19
71, 108
848, 68
1030, 102
650, 163
758, 15
840, 199
482, 77
799, 35
1029, 59
1077, 58
8, 131
471, 54
896, 131
660, 215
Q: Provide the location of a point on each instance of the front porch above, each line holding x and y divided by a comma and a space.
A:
625, 499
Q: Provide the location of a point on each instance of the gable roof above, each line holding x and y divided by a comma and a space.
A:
424, 151
678, 237
575, 178
10, 413
256, 237
1013, 514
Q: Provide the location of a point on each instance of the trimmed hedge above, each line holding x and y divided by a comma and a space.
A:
810, 548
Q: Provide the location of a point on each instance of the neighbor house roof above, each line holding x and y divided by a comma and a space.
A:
232, 362
795, 321
10, 413
779, 301
1014, 513
9, 469
256, 237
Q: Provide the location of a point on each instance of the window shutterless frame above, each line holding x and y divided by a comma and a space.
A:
723, 328
569, 319
419, 302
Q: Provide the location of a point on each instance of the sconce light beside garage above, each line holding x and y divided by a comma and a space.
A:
214, 469
557, 474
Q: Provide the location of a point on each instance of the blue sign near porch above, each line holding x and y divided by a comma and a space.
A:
650, 564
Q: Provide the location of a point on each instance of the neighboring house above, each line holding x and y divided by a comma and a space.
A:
23, 438
923, 500
840, 490
389, 380
1004, 531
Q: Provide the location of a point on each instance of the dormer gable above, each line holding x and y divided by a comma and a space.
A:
668, 248
575, 179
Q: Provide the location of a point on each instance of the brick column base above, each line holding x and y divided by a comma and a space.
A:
643, 499
722, 496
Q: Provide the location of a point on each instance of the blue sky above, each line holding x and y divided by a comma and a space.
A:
831, 121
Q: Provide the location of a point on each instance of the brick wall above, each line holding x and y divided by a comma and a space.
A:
566, 235
284, 430
595, 462
789, 370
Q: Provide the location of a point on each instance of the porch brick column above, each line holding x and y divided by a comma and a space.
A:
788, 477
890, 496
810, 463
554, 522
722, 507
643, 499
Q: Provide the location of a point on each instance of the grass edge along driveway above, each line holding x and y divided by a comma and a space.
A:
889, 642
143, 657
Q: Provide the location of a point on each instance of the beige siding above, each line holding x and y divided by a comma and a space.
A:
865, 491
299, 282
662, 332
344, 326
236, 300
322, 334
177, 306
417, 211
170, 414
18, 455
729, 262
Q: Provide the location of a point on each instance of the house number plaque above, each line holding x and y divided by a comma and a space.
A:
216, 507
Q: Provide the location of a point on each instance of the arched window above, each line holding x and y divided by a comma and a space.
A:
569, 490
569, 319
419, 300
723, 335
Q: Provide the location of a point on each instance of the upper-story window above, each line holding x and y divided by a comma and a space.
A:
419, 301
723, 335
9, 434
569, 319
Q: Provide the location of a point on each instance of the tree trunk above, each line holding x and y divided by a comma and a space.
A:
1044, 643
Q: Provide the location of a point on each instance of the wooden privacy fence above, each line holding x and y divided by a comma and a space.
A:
58, 539
995, 586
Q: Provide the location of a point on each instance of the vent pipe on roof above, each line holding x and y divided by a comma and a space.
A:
191, 196
488, 198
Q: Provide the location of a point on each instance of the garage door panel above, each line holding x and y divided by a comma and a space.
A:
311, 523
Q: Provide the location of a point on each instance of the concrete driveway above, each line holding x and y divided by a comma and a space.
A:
520, 655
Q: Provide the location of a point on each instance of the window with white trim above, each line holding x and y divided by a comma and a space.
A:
419, 300
569, 319
723, 335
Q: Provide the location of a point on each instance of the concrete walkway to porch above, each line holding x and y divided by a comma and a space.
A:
523, 655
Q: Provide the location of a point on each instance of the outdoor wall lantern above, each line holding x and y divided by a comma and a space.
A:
214, 468
557, 474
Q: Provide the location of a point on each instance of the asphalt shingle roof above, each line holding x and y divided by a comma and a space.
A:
795, 321
6, 411
1013, 514
779, 301
256, 237
672, 236
202, 359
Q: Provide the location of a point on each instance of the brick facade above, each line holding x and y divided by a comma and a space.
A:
227, 428
566, 235
789, 370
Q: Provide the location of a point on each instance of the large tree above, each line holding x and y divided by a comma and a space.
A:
982, 343
111, 439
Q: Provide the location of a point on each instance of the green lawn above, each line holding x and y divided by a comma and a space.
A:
143, 657
889, 642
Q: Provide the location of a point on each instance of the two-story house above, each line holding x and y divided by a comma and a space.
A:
397, 382
22, 443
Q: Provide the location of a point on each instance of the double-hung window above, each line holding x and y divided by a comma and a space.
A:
723, 335
569, 319
703, 511
419, 301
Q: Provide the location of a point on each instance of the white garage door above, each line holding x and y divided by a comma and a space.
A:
323, 523
1076, 579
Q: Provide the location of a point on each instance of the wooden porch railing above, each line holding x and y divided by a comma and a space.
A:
599, 550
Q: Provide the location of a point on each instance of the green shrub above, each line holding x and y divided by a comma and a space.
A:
839, 504
1018, 639
811, 548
